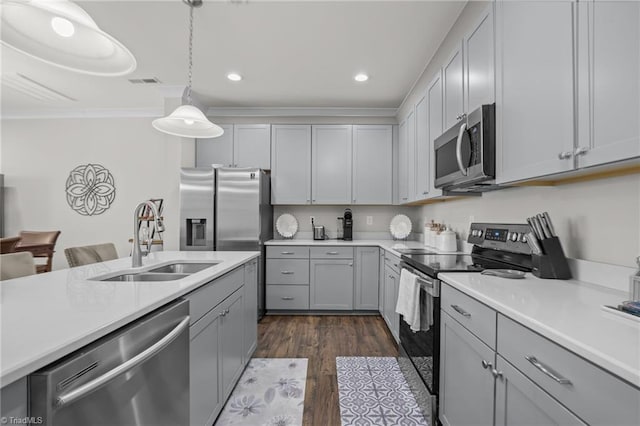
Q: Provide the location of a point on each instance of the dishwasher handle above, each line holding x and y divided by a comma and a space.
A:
98, 382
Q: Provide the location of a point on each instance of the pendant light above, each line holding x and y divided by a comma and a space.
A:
188, 121
61, 33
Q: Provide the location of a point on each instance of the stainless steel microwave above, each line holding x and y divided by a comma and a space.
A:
465, 155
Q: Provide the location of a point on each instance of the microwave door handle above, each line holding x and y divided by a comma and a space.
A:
463, 169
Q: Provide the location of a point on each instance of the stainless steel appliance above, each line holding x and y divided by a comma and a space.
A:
347, 225
138, 375
227, 209
496, 246
318, 231
465, 154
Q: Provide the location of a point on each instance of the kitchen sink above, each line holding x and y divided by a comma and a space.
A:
183, 268
146, 276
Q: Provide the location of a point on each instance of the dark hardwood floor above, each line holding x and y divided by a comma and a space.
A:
321, 339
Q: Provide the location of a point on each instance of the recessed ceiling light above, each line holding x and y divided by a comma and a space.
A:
361, 77
234, 76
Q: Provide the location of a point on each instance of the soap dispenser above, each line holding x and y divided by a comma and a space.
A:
634, 284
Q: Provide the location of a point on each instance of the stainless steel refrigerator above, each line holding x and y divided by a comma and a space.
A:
227, 209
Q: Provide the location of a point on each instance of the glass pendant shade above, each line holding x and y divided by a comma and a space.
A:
188, 121
61, 33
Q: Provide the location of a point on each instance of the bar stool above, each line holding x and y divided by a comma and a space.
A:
16, 265
86, 255
8, 245
41, 244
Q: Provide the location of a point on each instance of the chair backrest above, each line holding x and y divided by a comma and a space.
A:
8, 245
38, 237
78, 256
16, 265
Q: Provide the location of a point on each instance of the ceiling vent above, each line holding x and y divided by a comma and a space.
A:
153, 80
32, 88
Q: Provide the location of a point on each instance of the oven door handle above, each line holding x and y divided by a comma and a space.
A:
431, 286
463, 169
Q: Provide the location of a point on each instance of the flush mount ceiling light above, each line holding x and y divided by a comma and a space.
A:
361, 77
234, 76
61, 33
188, 121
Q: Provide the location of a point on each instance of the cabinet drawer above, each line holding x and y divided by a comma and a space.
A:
596, 396
332, 252
287, 252
211, 294
392, 261
281, 271
295, 297
478, 318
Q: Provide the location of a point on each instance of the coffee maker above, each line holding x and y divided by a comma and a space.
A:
347, 225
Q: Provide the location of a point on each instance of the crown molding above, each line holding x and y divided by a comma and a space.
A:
300, 112
82, 113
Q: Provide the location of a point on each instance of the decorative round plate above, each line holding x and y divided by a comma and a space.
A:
287, 225
400, 226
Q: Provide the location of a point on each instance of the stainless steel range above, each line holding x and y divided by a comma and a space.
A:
496, 246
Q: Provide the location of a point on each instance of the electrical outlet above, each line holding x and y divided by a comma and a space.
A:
312, 219
369, 220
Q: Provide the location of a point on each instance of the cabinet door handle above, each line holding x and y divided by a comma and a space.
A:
486, 364
425, 192
351, 264
565, 155
496, 374
461, 311
547, 370
286, 252
287, 298
581, 150
333, 253
286, 272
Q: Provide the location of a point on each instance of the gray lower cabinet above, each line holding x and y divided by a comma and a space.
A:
13, 399
466, 385
391, 280
366, 279
250, 308
519, 402
206, 401
331, 284
381, 276
231, 347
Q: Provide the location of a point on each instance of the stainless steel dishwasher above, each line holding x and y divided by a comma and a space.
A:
137, 375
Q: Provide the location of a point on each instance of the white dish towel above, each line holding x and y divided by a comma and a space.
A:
409, 299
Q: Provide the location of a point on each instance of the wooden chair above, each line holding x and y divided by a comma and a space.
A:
41, 244
8, 245
86, 255
16, 265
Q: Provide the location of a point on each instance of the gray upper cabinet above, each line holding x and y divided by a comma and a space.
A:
411, 155
331, 164
366, 279
535, 90
608, 81
403, 154
423, 168
479, 59
372, 164
453, 88
291, 164
217, 150
331, 284
252, 145
434, 127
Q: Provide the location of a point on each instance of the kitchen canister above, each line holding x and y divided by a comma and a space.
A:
447, 241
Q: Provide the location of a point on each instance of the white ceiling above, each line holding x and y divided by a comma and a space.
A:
291, 53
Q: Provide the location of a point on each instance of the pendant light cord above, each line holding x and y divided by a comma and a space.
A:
190, 53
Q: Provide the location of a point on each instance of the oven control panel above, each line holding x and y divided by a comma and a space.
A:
500, 236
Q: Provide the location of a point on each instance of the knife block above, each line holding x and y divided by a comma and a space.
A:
553, 264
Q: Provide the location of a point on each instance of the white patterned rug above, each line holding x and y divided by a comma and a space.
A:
374, 392
269, 393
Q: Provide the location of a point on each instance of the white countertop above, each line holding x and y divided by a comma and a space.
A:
47, 316
389, 245
567, 312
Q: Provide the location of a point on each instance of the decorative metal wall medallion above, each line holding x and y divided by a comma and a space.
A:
90, 189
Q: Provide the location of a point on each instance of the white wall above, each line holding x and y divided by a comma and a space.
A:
328, 216
37, 156
596, 220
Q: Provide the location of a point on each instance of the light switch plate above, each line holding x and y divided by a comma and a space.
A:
369, 220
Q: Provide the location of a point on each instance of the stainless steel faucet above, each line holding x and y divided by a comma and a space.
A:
136, 255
